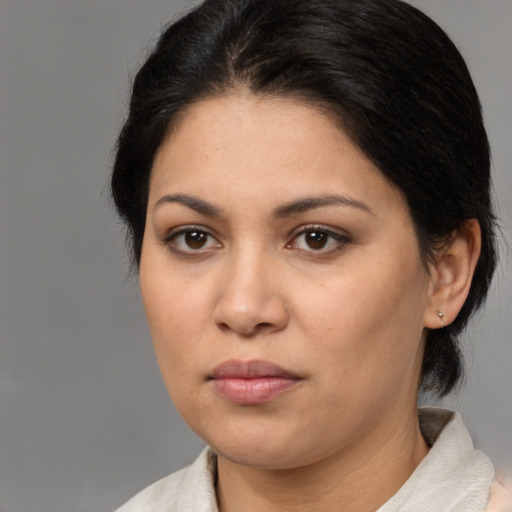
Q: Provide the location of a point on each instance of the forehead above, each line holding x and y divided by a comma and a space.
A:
246, 146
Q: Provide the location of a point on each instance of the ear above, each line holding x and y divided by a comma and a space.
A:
452, 274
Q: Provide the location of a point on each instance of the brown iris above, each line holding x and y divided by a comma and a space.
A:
196, 239
316, 239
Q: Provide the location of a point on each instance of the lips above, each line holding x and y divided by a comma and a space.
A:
251, 382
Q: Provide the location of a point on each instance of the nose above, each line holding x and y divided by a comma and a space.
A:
250, 300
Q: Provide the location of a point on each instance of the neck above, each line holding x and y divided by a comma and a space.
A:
355, 479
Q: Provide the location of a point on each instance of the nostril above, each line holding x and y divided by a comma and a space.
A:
224, 327
248, 331
264, 327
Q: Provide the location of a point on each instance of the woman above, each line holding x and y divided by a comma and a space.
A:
306, 187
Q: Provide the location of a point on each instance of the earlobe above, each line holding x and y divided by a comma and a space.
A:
452, 275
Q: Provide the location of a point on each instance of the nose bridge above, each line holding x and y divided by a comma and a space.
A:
250, 299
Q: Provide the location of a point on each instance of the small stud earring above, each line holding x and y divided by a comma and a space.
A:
441, 316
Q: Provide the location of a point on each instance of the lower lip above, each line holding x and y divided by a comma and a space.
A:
252, 391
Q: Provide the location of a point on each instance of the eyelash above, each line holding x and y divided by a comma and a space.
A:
340, 241
170, 240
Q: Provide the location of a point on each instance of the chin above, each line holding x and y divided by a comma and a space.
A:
267, 449
260, 457
253, 445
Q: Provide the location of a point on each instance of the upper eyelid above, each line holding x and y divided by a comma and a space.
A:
341, 240
320, 227
177, 230
169, 241
185, 228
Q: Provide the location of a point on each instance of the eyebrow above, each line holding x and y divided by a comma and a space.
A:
292, 208
311, 203
196, 204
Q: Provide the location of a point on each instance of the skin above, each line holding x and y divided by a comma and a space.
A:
348, 317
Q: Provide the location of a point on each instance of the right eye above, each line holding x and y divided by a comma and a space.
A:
191, 240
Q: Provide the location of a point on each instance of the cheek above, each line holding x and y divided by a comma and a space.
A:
367, 320
172, 310
175, 331
173, 302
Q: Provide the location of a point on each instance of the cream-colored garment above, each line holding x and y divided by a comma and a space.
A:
453, 477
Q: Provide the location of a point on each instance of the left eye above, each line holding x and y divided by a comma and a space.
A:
192, 240
317, 239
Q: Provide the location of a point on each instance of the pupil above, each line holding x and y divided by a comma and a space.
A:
195, 239
316, 239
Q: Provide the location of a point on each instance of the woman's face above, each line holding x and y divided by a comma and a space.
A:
283, 284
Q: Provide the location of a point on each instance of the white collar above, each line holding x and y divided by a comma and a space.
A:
453, 477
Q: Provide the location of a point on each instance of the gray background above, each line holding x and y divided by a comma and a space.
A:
84, 420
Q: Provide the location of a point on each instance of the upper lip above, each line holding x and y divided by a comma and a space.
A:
253, 369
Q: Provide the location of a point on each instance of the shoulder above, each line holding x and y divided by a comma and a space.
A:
191, 488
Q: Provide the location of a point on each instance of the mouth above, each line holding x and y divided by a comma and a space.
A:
251, 382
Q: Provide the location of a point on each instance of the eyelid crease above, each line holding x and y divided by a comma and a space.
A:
334, 232
342, 240
170, 242
186, 228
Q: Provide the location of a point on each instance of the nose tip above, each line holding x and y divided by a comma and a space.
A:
250, 304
